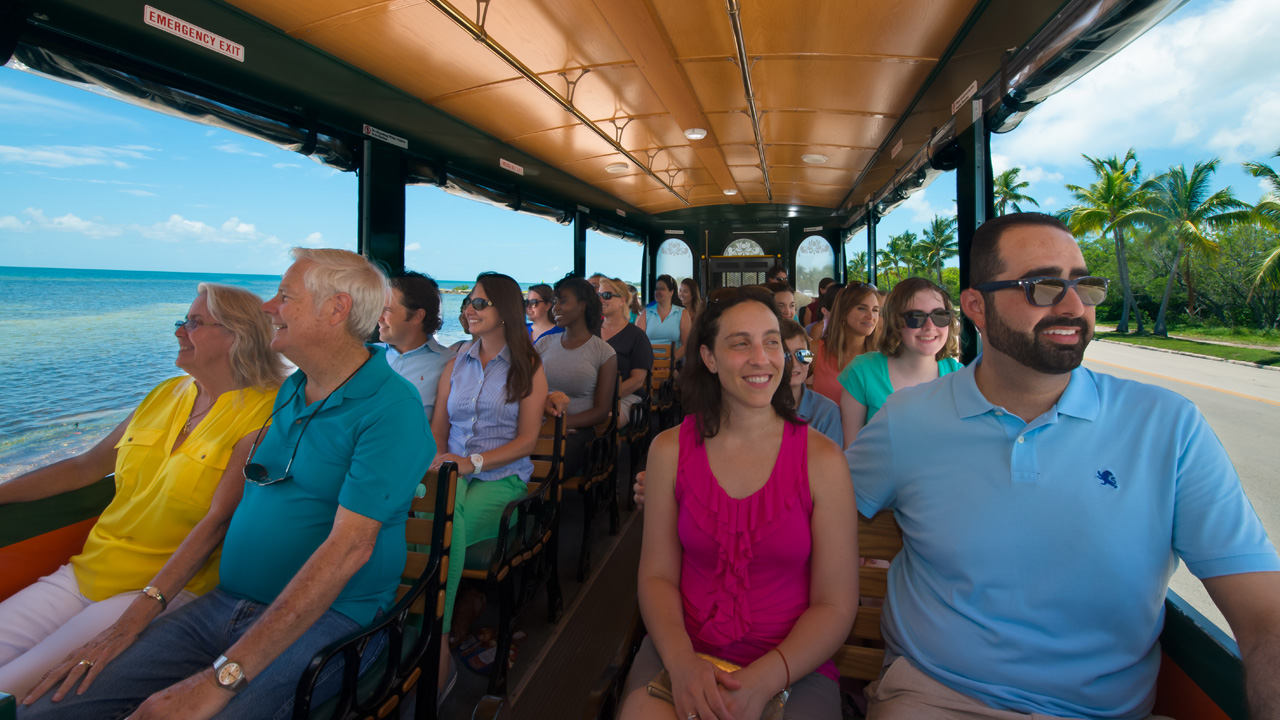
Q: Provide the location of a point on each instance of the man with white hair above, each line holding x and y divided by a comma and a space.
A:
315, 548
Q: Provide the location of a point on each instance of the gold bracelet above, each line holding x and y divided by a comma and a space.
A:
785, 666
154, 593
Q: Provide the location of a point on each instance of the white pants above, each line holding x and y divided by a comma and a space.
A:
48, 620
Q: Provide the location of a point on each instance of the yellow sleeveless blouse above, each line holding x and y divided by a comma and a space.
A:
161, 495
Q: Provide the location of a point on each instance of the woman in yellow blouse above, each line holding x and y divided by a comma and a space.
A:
177, 461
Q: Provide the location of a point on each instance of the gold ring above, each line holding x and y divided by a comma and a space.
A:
85, 662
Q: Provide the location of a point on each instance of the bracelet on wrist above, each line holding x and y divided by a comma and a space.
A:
154, 593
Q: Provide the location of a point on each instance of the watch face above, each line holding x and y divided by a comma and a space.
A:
229, 674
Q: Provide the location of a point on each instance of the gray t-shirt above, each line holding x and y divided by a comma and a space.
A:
574, 372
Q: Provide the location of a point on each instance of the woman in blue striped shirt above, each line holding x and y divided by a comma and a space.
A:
487, 415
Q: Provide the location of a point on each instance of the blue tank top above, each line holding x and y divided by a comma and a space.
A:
663, 332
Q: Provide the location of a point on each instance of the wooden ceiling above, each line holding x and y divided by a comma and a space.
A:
830, 77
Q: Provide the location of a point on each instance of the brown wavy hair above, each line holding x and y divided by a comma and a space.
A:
833, 337
506, 296
700, 389
892, 321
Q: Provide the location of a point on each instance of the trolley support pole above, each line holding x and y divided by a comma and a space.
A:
836, 238
381, 217
580, 243
975, 204
872, 221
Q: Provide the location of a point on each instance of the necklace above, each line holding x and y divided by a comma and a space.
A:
186, 428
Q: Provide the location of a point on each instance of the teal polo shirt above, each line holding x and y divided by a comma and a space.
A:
1036, 556
366, 450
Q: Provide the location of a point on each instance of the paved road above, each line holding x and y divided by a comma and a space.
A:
1242, 405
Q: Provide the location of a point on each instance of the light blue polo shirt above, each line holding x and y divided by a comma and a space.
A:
1036, 556
822, 414
421, 367
366, 450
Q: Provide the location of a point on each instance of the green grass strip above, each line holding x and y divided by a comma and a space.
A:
1228, 352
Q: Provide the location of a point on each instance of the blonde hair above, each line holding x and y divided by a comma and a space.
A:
837, 330
619, 289
253, 362
892, 322
342, 271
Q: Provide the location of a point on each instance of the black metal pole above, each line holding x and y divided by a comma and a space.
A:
872, 221
975, 204
580, 243
381, 215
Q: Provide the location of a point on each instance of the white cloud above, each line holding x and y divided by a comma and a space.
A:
315, 239
235, 226
413, 246
70, 223
139, 193
61, 156
235, 149
22, 107
923, 211
9, 222
1171, 88
283, 165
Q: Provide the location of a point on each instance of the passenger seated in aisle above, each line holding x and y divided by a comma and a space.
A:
809, 313
664, 320
919, 342
461, 345
581, 365
1042, 526
407, 329
691, 299
777, 273
821, 414
634, 305
488, 413
784, 298
634, 353
177, 461
747, 534
315, 549
538, 305
851, 331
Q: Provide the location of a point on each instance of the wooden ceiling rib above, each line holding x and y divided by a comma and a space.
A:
830, 77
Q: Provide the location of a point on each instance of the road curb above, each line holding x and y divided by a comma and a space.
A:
1272, 368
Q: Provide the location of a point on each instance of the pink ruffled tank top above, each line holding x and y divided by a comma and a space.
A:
744, 575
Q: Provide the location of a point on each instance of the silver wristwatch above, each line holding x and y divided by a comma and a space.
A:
229, 675
477, 462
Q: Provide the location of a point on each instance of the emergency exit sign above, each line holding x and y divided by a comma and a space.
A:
192, 33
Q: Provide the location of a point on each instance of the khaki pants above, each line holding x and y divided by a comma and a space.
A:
905, 693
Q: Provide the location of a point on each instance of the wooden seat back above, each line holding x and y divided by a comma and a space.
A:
880, 539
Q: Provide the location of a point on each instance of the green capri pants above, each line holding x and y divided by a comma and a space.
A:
477, 511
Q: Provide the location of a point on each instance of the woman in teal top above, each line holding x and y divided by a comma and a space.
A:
664, 321
920, 342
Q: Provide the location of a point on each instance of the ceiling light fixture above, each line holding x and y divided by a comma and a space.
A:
814, 158
618, 167
695, 133
730, 191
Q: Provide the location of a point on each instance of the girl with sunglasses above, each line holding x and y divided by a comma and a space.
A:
822, 414
537, 307
920, 341
487, 416
749, 521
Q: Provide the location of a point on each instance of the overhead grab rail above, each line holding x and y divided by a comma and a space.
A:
735, 17
479, 34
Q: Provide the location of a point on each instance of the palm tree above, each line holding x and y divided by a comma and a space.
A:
1267, 213
857, 267
1115, 193
1179, 207
939, 243
898, 252
1008, 191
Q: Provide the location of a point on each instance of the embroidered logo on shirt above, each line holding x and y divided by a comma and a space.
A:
1107, 478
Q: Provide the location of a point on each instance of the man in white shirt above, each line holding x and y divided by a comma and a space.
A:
407, 328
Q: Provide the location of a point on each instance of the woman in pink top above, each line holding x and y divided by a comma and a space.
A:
750, 527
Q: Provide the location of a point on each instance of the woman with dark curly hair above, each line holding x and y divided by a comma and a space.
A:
749, 525
580, 365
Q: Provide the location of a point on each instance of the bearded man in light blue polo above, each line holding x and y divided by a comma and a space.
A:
1044, 508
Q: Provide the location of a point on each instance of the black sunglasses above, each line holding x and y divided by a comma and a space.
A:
1049, 291
802, 356
536, 303
257, 473
477, 304
606, 295
916, 319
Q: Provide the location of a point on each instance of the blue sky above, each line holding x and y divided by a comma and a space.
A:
91, 182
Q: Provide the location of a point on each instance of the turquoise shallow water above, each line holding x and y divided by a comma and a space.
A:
79, 349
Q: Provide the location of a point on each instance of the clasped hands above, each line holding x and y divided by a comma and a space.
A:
700, 688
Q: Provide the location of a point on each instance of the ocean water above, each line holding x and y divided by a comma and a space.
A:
79, 349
